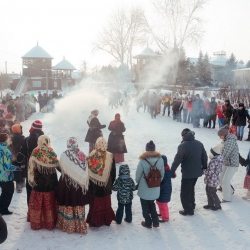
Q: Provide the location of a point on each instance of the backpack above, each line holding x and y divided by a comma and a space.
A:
154, 176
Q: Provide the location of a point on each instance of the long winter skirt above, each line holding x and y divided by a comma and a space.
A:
42, 211
100, 212
247, 182
118, 157
72, 219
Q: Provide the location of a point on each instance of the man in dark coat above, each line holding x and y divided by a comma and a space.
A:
197, 111
212, 112
153, 105
228, 112
27, 147
94, 131
192, 156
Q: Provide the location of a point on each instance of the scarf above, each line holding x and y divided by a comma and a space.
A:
43, 159
100, 163
91, 118
73, 166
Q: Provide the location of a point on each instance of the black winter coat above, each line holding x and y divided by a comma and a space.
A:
176, 106
228, 111
27, 147
192, 156
94, 131
239, 118
98, 191
116, 142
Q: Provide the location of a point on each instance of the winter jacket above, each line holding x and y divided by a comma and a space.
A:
143, 167
230, 151
198, 108
6, 168
166, 185
192, 156
16, 142
124, 185
239, 118
116, 142
176, 106
228, 111
219, 111
99, 191
245, 162
3, 230
213, 171
94, 131
213, 107
27, 147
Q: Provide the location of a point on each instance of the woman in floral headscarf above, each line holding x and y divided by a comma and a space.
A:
42, 178
102, 174
72, 195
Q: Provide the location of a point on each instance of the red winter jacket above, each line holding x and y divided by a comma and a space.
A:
219, 110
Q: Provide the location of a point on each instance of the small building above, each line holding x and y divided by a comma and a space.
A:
242, 77
146, 62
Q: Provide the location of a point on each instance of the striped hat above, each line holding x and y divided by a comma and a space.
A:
37, 124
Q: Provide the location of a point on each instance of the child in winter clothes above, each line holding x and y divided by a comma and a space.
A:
165, 191
6, 175
246, 163
124, 185
212, 177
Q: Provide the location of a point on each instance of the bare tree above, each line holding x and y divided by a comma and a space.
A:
124, 31
179, 22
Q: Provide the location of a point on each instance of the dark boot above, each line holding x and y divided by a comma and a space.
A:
209, 124
213, 124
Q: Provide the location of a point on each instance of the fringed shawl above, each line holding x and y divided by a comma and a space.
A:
74, 166
43, 159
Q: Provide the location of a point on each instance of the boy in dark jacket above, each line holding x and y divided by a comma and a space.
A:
124, 185
166, 191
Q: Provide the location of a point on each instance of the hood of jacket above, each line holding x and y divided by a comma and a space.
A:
189, 136
149, 154
231, 137
124, 170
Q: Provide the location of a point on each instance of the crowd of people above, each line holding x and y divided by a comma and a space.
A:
90, 179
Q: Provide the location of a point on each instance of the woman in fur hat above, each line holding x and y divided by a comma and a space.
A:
102, 174
116, 142
94, 131
42, 178
72, 189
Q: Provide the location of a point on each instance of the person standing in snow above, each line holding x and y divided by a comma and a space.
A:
212, 179
192, 156
153, 104
212, 113
165, 191
149, 195
239, 120
3, 230
189, 108
116, 142
94, 131
166, 104
124, 185
206, 112
246, 163
16, 141
228, 112
26, 149
197, 111
230, 166
219, 111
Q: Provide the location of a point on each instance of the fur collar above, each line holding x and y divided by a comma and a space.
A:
149, 154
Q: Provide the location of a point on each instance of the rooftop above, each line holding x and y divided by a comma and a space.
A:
64, 65
146, 53
37, 52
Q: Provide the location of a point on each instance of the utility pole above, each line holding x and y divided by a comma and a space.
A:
47, 83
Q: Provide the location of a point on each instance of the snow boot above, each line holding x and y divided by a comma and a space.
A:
216, 208
213, 125
143, 223
207, 207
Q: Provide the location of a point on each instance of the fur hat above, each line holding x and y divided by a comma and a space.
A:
16, 129
150, 146
37, 124
223, 130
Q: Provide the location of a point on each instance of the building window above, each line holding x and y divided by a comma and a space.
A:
55, 84
37, 84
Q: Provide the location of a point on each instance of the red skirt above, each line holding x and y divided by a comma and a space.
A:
118, 157
42, 211
100, 212
247, 182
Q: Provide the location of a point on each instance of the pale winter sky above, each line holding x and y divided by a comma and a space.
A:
68, 28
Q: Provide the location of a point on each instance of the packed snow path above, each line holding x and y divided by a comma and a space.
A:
226, 229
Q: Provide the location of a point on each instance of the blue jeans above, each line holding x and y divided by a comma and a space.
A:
221, 122
240, 131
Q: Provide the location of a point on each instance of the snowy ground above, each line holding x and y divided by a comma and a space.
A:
226, 229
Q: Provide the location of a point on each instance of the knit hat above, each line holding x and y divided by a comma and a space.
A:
216, 150
165, 160
223, 130
37, 124
9, 117
241, 104
2, 122
150, 146
95, 112
185, 131
17, 129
